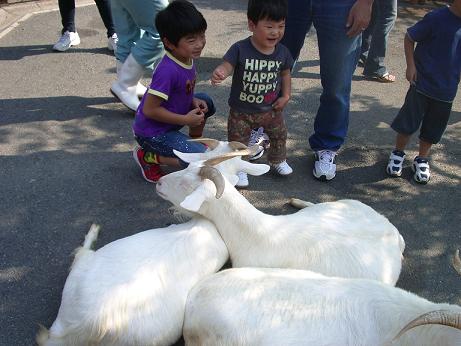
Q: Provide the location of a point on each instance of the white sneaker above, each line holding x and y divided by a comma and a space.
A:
243, 180
324, 165
282, 168
112, 42
421, 169
67, 40
395, 165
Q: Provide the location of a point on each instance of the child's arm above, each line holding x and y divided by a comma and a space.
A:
281, 102
409, 46
221, 73
153, 109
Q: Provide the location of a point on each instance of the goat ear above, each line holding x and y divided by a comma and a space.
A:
189, 157
194, 201
253, 168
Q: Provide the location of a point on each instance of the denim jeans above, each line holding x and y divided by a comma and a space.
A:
338, 59
165, 143
374, 38
134, 23
67, 11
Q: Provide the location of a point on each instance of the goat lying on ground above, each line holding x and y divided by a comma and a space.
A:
345, 238
263, 306
133, 291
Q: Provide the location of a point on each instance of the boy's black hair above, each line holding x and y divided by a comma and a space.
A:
275, 10
179, 19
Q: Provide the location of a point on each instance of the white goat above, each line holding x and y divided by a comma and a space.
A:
345, 238
133, 291
265, 306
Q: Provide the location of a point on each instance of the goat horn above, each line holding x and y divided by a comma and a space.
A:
212, 143
443, 317
237, 145
227, 156
457, 262
211, 173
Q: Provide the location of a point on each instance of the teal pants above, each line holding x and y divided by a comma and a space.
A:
134, 24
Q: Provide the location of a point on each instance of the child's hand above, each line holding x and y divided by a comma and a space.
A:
280, 103
198, 103
411, 74
219, 74
195, 117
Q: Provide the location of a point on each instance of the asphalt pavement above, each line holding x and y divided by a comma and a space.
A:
65, 158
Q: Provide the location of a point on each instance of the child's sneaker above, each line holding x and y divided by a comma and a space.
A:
258, 137
282, 168
150, 171
67, 40
324, 165
421, 169
394, 167
243, 180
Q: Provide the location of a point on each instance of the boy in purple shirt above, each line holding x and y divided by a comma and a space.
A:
433, 70
170, 102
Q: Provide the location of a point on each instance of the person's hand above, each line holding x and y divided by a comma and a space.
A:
280, 103
359, 17
411, 74
195, 117
219, 74
198, 103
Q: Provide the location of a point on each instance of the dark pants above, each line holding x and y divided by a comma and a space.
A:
424, 112
67, 10
374, 38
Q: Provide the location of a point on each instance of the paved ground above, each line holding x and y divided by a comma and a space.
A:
65, 151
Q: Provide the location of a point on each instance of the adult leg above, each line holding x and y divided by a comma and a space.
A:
67, 11
148, 49
366, 36
127, 88
69, 36
298, 23
106, 15
126, 28
332, 119
386, 14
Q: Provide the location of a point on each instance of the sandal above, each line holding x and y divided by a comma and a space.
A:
385, 78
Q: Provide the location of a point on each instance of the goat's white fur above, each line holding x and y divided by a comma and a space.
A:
263, 306
133, 291
345, 238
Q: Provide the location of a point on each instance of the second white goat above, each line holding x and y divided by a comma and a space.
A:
345, 238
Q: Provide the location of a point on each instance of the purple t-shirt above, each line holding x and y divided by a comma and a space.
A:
174, 82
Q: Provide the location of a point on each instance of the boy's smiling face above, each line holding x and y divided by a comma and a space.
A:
266, 33
189, 47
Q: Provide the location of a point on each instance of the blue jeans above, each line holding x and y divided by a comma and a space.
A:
374, 38
338, 59
134, 23
165, 143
